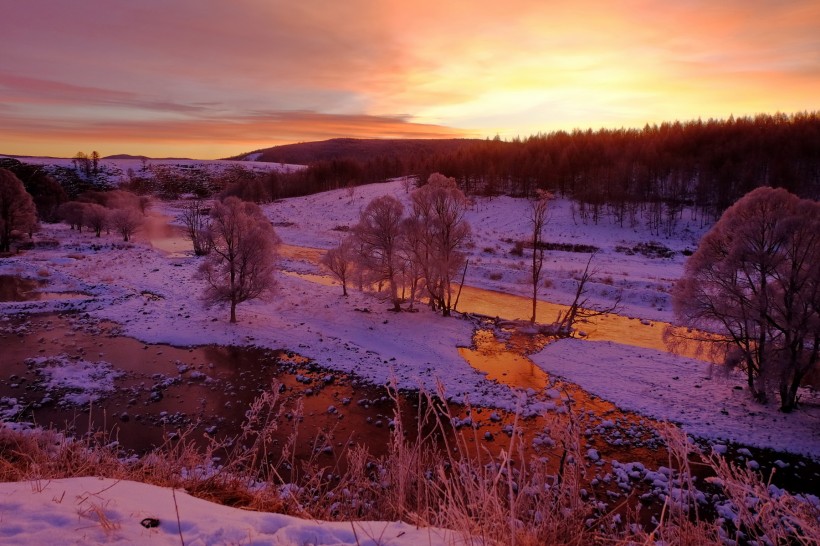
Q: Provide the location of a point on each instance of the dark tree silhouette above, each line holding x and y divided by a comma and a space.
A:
17, 210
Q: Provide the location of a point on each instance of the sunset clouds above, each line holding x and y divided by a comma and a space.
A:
210, 79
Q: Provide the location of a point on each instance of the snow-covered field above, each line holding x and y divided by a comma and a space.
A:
154, 296
644, 282
705, 399
105, 511
116, 170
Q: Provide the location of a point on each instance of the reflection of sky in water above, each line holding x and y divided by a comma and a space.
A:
163, 236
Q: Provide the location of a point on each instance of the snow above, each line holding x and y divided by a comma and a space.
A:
152, 294
699, 396
105, 511
83, 381
644, 282
118, 168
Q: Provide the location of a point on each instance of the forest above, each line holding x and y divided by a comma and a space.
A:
706, 164
626, 175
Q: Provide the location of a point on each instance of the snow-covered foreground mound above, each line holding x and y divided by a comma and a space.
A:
106, 511
705, 399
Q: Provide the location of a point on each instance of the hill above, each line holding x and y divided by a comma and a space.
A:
362, 150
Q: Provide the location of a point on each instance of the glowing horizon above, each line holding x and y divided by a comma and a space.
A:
211, 79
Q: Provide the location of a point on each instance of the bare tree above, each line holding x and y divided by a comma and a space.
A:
581, 309
82, 163
378, 235
95, 217
439, 208
413, 247
350, 190
195, 217
17, 210
95, 162
341, 262
755, 278
145, 203
71, 213
241, 264
126, 221
538, 217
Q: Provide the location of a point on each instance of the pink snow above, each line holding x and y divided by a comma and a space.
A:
701, 397
105, 511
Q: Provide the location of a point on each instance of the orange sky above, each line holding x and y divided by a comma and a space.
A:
208, 78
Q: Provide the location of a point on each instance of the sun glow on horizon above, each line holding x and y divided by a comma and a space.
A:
228, 81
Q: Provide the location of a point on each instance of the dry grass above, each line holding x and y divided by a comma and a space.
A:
430, 476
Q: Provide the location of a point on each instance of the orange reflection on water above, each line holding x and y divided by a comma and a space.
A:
607, 327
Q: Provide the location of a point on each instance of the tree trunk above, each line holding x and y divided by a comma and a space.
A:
534, 301
788, 393
233, 310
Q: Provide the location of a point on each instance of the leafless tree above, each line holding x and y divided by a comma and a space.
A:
145, 203
581, 309
71, 213
96, 217
195, 217
82, 163
350, 190
95, 162
341, 261
378, 236
126, 221
538, 217
439, 209
241, 264
755, 278
17, 210
414, 246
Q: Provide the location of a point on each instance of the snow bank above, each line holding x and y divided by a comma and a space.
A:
105, 511
705, 399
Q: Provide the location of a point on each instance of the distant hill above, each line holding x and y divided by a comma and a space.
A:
126, 156
362, 150
129, 156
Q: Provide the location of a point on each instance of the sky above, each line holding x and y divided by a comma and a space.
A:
210, 79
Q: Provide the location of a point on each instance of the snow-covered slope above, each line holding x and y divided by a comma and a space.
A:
105, 511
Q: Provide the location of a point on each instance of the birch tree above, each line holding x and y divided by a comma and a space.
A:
378, 237
439, 209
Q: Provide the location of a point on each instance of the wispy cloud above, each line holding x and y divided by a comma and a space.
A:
389, 67
224, 136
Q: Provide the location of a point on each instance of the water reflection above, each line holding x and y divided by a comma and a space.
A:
607, 327
494, 358
15, 288
166, 389
161, 234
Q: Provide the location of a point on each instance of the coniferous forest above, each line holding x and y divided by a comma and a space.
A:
707, 164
